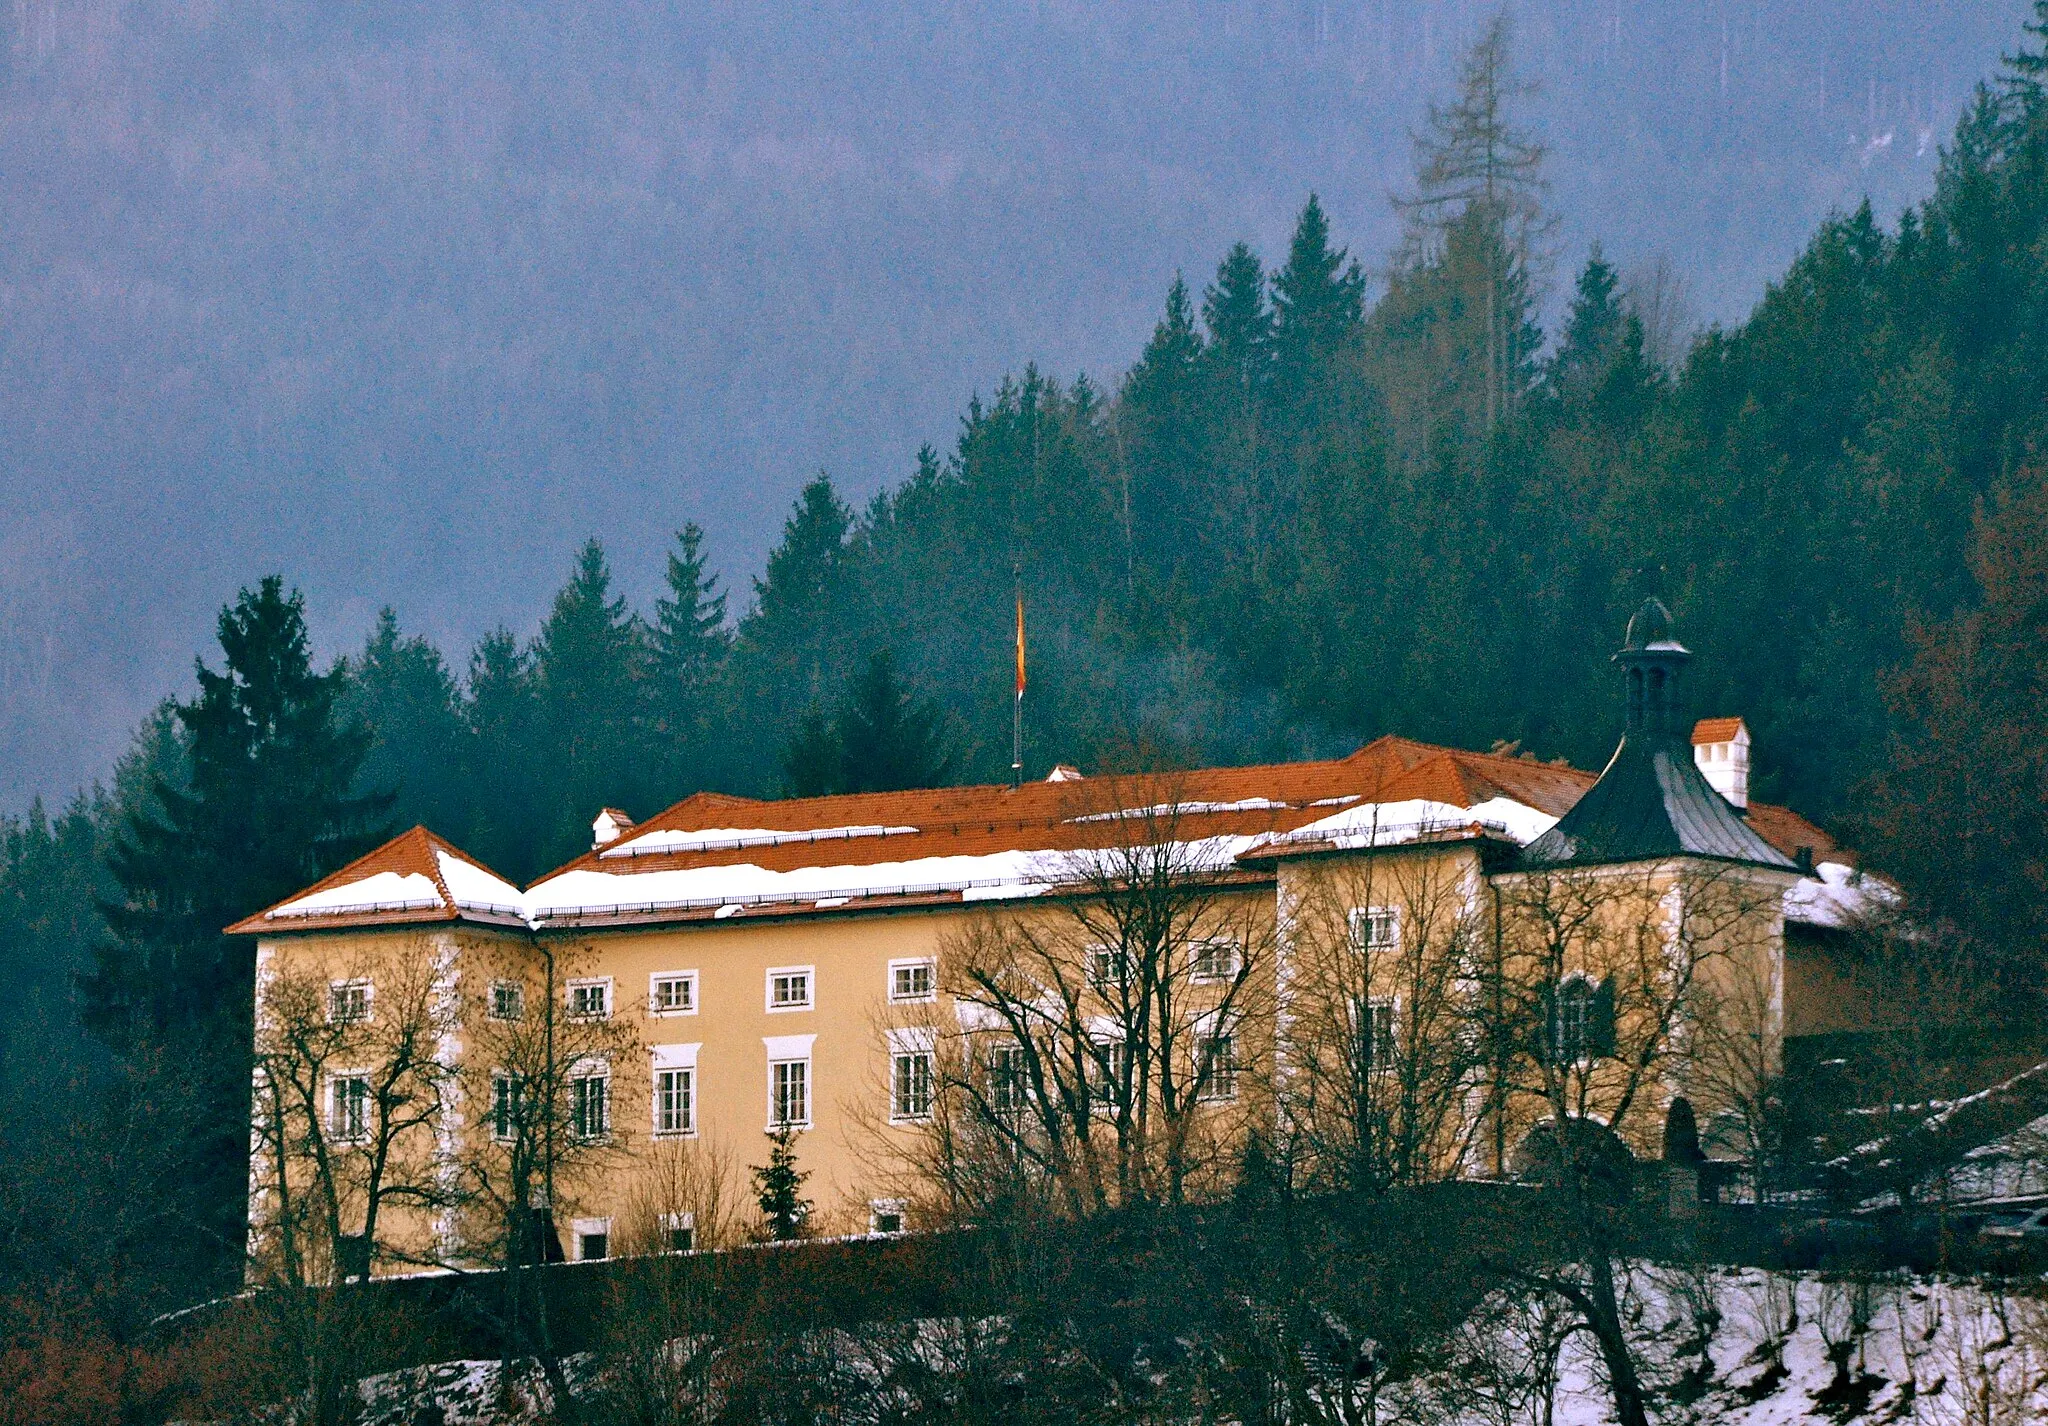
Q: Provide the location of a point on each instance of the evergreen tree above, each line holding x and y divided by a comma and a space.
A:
587, 672
1240, 323
778, 1188
889, 739
270, 807
400, 690
1318, 300
806, 570
811, 762
1162, 466
881, 738
506, 751
687, 653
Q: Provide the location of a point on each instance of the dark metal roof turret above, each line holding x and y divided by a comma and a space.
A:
1651, 802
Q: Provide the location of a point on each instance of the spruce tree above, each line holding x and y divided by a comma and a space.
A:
889, 739
269, 806
588, 665
399, 690
1318, 301
1240, 323
686, 657
505, 757
1162, 470
272, 805
778, 1189
811, 761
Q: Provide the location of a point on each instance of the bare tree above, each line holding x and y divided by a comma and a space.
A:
546, 1045
1100, 1037
1379, 1062
351, 1080
1479, 177
1592, 1009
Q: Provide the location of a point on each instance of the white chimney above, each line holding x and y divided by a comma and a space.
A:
610, 825
1064, 772
1721, 748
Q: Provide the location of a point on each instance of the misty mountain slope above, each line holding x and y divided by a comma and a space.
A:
406, 300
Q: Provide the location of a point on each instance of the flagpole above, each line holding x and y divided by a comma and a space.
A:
1017, 707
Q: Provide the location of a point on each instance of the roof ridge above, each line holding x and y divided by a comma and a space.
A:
421, 831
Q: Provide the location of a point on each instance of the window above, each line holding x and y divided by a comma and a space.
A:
1581, 1021
789, 988
507, 1100
1006, 1079
348, 1108
1107, 1070
885, 1215
672, 993
789, 1094
348, 1002
1218, 1067
1108, 966
910, 1085
590, 999
508, 1000
675, 1101
1213, 960
1379, 1037
911, 980
593, 1239
679, 1232
590, 1105
1375, 928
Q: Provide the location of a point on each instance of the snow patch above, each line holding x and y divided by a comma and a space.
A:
725, 839
386, 891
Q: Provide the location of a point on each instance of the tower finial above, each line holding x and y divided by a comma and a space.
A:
1651, 659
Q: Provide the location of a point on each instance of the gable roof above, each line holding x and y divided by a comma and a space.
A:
1715, 730
414, 877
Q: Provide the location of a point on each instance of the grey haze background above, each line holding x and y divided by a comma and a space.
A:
405, 299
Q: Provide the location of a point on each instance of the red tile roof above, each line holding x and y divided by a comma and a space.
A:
1715, 730
413, 853
872, 829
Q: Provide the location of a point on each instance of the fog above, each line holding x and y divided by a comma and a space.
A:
405, 300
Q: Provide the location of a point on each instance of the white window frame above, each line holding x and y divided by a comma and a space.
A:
776, 1118
1107, 966
1006, 1091
1369, 920
673, 1059
336, 1133
1376, 1006
917, 1045
599, 1073
1111, 1060
1201, 974
586, 983
507, 990
1584, 991
504, 1083
929, 994
656, 1009
1212, 1092
674, 1223
810, 1001
349, 988
784, 1050
878, 1208
589, 1228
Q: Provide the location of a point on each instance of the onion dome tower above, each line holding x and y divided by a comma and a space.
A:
1651, 802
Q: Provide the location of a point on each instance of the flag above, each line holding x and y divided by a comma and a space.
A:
1020, 645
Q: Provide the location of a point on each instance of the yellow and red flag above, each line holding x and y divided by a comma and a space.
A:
1020, 645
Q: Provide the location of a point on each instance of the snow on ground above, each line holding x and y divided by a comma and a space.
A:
1718, 1347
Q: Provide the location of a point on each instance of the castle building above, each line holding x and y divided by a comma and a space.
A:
612, 1049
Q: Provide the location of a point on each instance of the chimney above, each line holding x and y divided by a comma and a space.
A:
610, 825
1721, 748
1064, 772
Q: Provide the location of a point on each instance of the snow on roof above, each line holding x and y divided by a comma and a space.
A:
582, 891
1837, 895
476, 889
722, 839
1182, 809
1391, 824
384, 891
